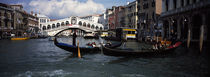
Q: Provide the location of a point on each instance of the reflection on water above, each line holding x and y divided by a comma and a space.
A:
40, 57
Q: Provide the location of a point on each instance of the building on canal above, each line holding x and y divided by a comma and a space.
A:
131, 17
188, 19
148, 15
42, 19
14, 20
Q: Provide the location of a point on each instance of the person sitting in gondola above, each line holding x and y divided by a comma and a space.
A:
93, 44
108, 43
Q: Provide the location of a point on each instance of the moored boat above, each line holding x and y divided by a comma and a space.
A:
138, 53
19, 38
87, 49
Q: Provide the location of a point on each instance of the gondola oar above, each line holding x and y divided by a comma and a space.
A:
201, 37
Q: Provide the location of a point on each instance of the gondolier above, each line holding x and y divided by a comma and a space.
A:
74, 38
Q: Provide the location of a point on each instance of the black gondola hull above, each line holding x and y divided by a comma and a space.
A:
138, 53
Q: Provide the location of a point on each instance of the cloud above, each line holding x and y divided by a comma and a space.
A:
65, 8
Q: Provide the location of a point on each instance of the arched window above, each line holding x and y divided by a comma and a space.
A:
67, 22
101, 28
80, 23
44, 28
93, 26
62, 24
84, 24
53, 25
88, 25
58, 24
96, 27
48, 27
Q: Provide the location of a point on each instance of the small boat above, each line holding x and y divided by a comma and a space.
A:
19, 38
90, 36
138, 53
74, 49
88, 49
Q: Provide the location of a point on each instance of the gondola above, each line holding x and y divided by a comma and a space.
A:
138, 53
74, 49
88, 49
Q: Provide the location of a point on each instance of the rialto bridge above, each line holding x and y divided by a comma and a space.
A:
51, 28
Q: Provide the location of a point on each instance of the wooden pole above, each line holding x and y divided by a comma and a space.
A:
79, 54
201, 38
188, 39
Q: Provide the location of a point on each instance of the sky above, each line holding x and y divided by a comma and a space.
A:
58, 9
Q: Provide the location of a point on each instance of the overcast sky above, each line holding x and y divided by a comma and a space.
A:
57, 9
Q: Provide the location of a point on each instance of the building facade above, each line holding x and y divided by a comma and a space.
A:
14, 20
92, 18
188, 19
131, 17
148, 15
42, 19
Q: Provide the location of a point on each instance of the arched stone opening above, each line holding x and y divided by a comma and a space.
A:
67, 22
48, 27
196, 24
80, 23
44, 28
53, 25
96, 27
58, 25
88, 25
84, 24
62, 24
101, 28
93, 26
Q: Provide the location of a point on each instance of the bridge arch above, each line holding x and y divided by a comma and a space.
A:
58, 25
62, 24
96, 27
101, 28
93, 26
48, 27
84, 24
68, 29
44, 28
88, 25
53, 26
80, 23
67, 22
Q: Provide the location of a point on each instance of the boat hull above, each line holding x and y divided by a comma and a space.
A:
136, 53
24, 38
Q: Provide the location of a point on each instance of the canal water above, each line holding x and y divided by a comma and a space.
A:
41, 58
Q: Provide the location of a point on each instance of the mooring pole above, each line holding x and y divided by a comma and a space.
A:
201, 38
79, 54
188, 38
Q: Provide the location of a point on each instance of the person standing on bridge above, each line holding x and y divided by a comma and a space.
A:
74, 38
